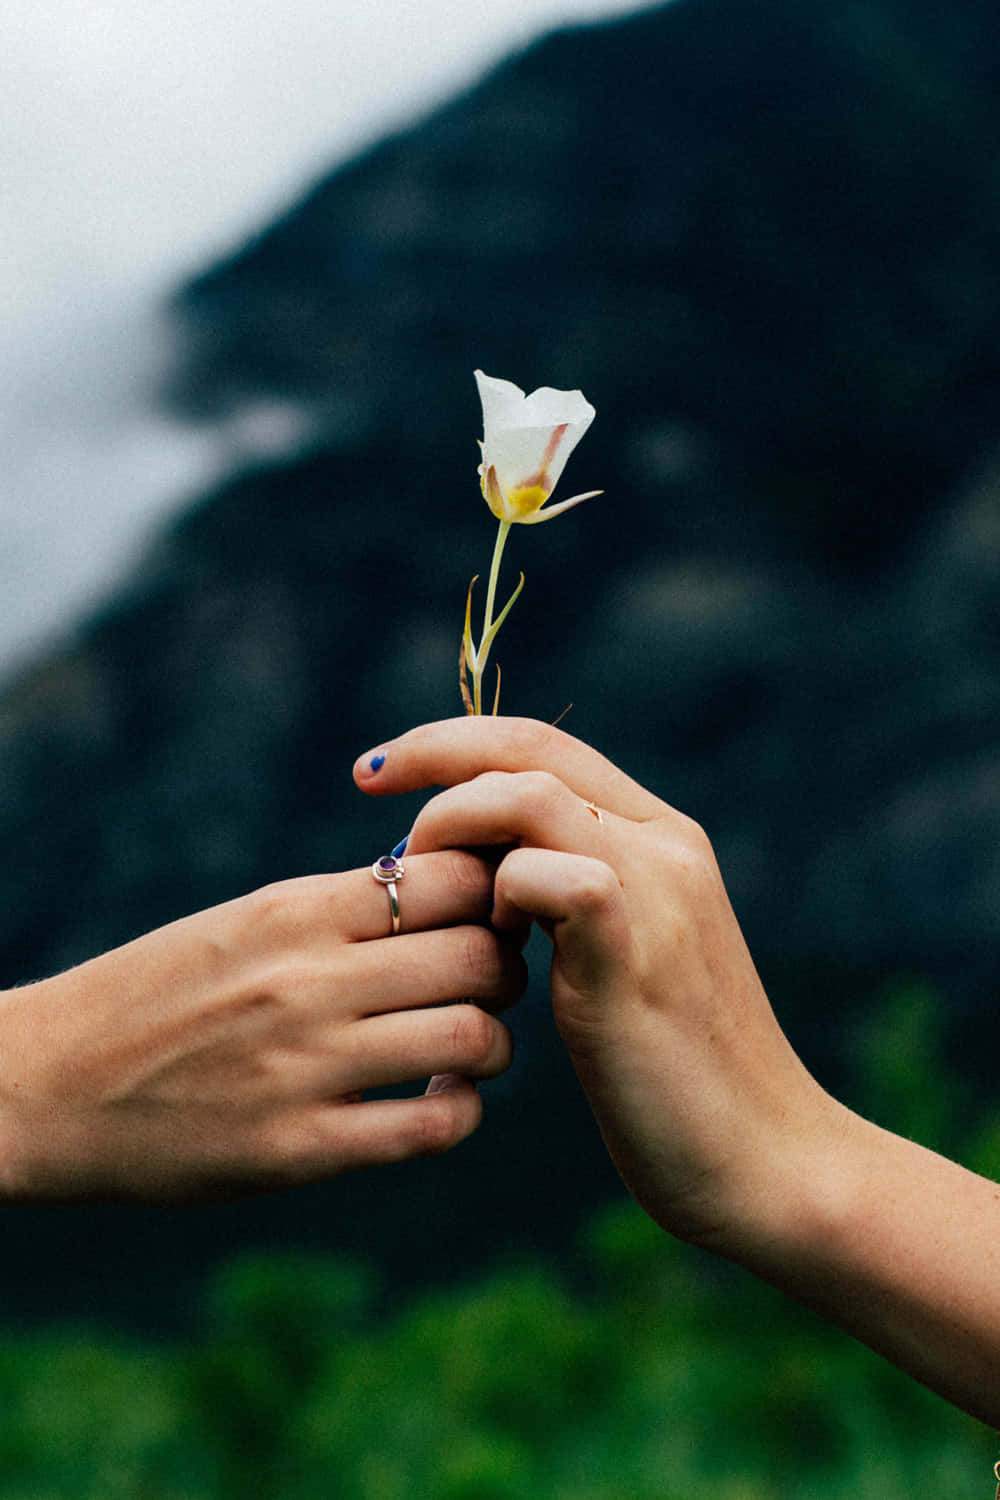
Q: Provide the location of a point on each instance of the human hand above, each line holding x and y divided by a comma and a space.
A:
705, 1108
712, 1120
228, 1052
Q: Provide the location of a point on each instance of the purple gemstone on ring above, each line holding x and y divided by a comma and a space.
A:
387, 863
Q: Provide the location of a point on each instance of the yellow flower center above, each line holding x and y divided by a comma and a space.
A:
527, 499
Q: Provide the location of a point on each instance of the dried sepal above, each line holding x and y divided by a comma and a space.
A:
463, 683
467, 652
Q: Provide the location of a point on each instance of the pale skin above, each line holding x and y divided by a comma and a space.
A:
229, 1052
712, 1120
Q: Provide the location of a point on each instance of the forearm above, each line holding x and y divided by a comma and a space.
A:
899, 1246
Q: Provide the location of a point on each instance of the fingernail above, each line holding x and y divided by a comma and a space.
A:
400, 848
376, 763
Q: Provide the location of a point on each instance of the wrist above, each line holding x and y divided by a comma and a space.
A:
795, 1191
808, 1220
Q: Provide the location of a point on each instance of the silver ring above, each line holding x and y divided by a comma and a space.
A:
388, 871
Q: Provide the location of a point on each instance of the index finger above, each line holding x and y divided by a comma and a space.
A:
455, 750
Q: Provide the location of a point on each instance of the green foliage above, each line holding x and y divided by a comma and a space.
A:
89, 1418
657, 1374
901, 1080
271, 1325
671, 1376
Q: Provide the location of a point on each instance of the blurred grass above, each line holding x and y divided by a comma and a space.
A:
650, 1372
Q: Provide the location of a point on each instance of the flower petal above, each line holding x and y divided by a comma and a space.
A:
555, 510
501, 400
549, 408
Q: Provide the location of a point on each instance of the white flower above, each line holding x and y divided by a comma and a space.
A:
526, 442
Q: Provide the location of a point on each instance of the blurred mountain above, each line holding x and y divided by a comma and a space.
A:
763, 238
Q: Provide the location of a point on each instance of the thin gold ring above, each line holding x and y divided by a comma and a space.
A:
592, 807
388, 871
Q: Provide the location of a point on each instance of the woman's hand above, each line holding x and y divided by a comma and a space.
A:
700, 1098
228, 1052
712, 1120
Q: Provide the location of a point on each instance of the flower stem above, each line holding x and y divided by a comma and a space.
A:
489, 629
491, 588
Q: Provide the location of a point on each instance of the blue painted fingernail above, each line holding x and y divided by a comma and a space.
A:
376, 763
400, 848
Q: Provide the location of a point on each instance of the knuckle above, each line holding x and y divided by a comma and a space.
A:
467, 875
273, 908
688, 859
481, 956
473, 1036
595, 887
492, 782
531, 740
695, 852
539, 788
694, 836
438, 1126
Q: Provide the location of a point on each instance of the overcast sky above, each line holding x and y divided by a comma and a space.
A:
138, 140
